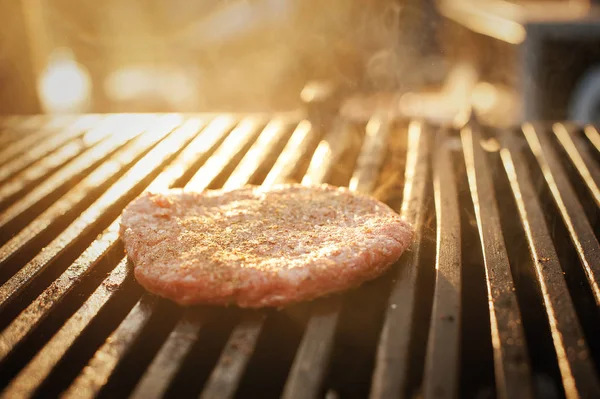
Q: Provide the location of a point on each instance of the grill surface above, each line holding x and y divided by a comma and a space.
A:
498, 296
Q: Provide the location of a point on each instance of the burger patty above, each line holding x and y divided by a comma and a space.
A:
259, 247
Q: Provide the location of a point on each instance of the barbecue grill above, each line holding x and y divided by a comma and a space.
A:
498, 295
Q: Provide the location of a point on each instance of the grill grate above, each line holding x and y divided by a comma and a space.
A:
498, 297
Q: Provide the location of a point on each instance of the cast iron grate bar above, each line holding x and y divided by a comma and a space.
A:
581, 157
64, 316
513, 374
130, 136
573, 215
579, 378
34, 313
71, 148
68, 206
22, 129
231, 149
593, 136
88, 221
96, 373
155, 382
33, 149
442, 358
392, 361
171, 355
226, 375
312, 358
41, 365
27, 141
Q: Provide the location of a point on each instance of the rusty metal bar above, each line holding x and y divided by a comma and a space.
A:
578, 375
392, 359
511, 365
581, 232
443, 346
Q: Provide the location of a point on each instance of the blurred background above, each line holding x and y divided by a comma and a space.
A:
512, 60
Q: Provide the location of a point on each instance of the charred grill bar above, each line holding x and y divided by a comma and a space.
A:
498, 294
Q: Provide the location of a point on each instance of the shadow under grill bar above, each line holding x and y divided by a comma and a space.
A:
75, 322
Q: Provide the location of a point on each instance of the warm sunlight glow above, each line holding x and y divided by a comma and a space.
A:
65, 84
316, 169
269, 137
484, 96
290, 155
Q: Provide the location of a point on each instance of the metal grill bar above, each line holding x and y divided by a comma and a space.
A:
41, 365
580, 230
513, 374
580, 157
233, 146
67, 152
24, 142
371, 156
74, 201
124, 189
296, 148
578, 375
327, 154
310, 365
392, 361
225, 378
41, 306
87, 161
44, 147
226, 155
227, 374
83, 298
34, 373
593, 136
169, 359
155, 382
20, 129
258, 153
95, 374
441, 363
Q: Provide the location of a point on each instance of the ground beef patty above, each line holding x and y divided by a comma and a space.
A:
258, 247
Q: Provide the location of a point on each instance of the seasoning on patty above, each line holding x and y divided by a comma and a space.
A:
259, 247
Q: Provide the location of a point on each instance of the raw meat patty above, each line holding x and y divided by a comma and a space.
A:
258, 247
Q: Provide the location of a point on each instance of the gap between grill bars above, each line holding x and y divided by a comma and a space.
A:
74, 320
